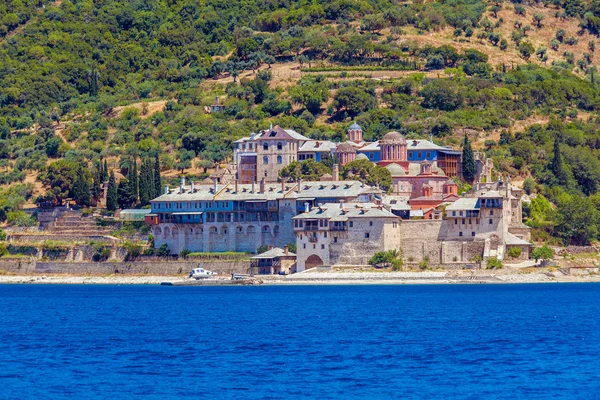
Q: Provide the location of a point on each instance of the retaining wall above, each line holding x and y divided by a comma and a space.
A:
26, 266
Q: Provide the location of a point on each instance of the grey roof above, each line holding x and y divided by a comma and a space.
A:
464, 203
513, 240
135, 211
273, 191
422, 144
274, 253
336, 189
347, 210
311, 146
373, 146
492, 194
355, 126
399, 203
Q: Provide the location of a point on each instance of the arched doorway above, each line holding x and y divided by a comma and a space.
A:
313, 261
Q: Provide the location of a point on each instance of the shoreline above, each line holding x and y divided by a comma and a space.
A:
325, 278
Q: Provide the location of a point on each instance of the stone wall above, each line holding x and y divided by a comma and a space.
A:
26, 266
420, 239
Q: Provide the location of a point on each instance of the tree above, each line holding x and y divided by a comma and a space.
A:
132, 180
157, 177
368, 173
556, 165
543, 253
386, 259
538, 18
112, 202
310, 95
59, 178
309, 170
354, 100
184, 160
442, 94
526, 49
469, 169
81, 188
577, 220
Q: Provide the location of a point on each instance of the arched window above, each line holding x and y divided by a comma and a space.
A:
279, 160
279, 146
265, 160
265, 146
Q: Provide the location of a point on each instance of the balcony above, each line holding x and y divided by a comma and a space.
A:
339, 228
313, 239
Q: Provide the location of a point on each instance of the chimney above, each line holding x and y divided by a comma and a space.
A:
283, 185
166, 189
262, 185
271, 126
215, 185
299, 188
336, 172
181, 185
253, 182
286, 250
192, 186
317, 144
236, 186
306, 207
270, 247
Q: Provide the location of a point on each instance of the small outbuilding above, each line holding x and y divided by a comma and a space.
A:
274, 261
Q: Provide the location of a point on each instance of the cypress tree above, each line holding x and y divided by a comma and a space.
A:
81, 188
133, 182
104, 172
469, 169
144, 183
96, 190
157, 177
111, 193
556, 165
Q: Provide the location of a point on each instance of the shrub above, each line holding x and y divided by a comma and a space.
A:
514, 252
163, 251
493, 263
184, 253
543, 253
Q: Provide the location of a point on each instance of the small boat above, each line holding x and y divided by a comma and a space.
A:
239, 277
201, 273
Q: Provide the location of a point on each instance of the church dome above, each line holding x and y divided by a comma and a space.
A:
345, 148
395, 170
393, 138
355, 126
362, 156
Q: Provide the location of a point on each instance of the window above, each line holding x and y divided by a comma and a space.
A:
335, 239
322, 247
472, 233
490, 221
351, 224
491, 212
265, 146
419, 155
279, 160
463, 221
304, 245
455, 222
461, 213
469, 222
279, 146
428, 154
265, 160
366, 235
459, 233
454, 213
477, 221
370, 223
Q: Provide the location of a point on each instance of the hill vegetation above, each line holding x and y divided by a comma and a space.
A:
93, 87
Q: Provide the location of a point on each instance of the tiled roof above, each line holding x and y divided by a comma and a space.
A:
311, 146
513, 240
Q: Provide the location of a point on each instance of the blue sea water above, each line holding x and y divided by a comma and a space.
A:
404, 341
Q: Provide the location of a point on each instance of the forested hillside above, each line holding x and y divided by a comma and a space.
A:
86, 87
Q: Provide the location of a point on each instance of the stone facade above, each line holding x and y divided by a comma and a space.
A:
347, 233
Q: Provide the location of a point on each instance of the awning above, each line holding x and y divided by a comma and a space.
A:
187, 213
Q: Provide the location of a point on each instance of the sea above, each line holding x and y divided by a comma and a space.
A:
294, 342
